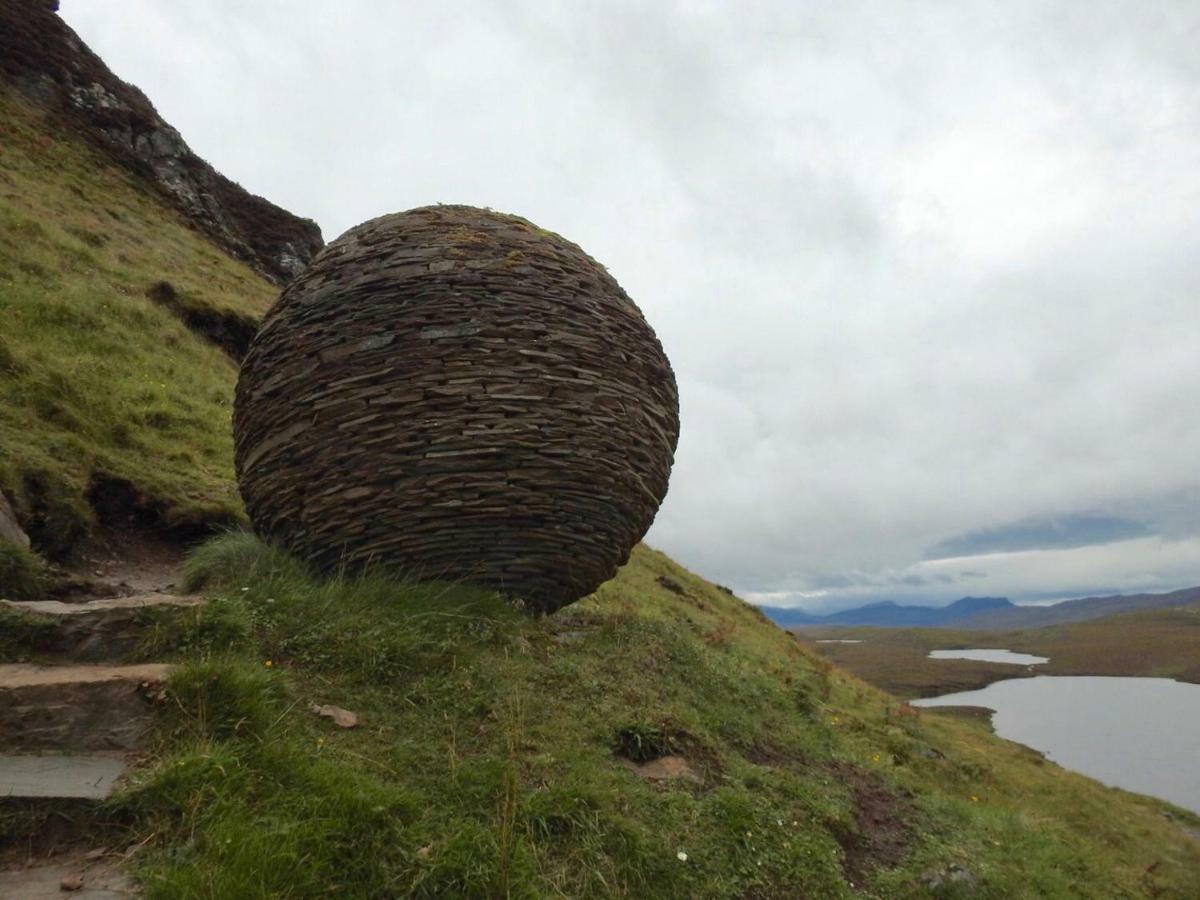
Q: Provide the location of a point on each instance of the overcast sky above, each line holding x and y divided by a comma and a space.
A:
928, 273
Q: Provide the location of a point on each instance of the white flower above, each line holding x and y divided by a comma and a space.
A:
681, 856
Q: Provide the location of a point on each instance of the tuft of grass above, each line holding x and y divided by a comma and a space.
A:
267, 819
373, 624
21, 635
224, 699
641, 743
22, 574
236, 558
489, 757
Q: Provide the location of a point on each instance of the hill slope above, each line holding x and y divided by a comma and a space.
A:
650, 741
119, 314
104, 390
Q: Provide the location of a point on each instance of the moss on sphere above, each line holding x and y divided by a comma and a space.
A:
461, 394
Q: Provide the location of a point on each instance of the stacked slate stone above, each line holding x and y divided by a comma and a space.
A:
460, 394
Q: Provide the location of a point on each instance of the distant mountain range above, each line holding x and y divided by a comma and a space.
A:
893, 615
981, 612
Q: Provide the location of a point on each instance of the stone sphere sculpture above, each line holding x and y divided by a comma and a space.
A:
460, 394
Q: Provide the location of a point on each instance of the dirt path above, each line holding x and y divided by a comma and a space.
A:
127, 562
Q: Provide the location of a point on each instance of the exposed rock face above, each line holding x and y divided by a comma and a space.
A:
49, 64
463, 394
10, 528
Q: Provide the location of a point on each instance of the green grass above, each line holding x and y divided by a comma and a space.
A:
488, 761
21, 635
22, 574
97, 381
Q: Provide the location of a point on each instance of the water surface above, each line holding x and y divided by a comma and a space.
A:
996, 656
839, 641
1141, 734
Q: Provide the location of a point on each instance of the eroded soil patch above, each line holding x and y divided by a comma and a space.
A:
884, 824
230, 330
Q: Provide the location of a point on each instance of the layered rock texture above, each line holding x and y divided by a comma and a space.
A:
465, 395
47, 62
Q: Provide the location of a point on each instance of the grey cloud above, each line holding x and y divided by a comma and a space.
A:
1077, 530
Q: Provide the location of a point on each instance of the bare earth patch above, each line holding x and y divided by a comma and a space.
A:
665, 768
883, 824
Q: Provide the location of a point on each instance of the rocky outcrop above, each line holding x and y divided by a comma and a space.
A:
10, 529
47, 62
461, 394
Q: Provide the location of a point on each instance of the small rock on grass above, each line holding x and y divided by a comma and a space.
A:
72, 882
665, 768
951, 877
10, 529
342, 718
671, 584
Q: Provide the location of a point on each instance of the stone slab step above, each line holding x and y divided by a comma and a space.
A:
83, 881
55, 776
77, 708
104, 628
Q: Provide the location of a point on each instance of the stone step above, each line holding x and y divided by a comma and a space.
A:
79, 879
77, 708
104, 628
58, 777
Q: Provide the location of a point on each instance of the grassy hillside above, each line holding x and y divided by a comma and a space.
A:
101, 388
1160, 643
497, 755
